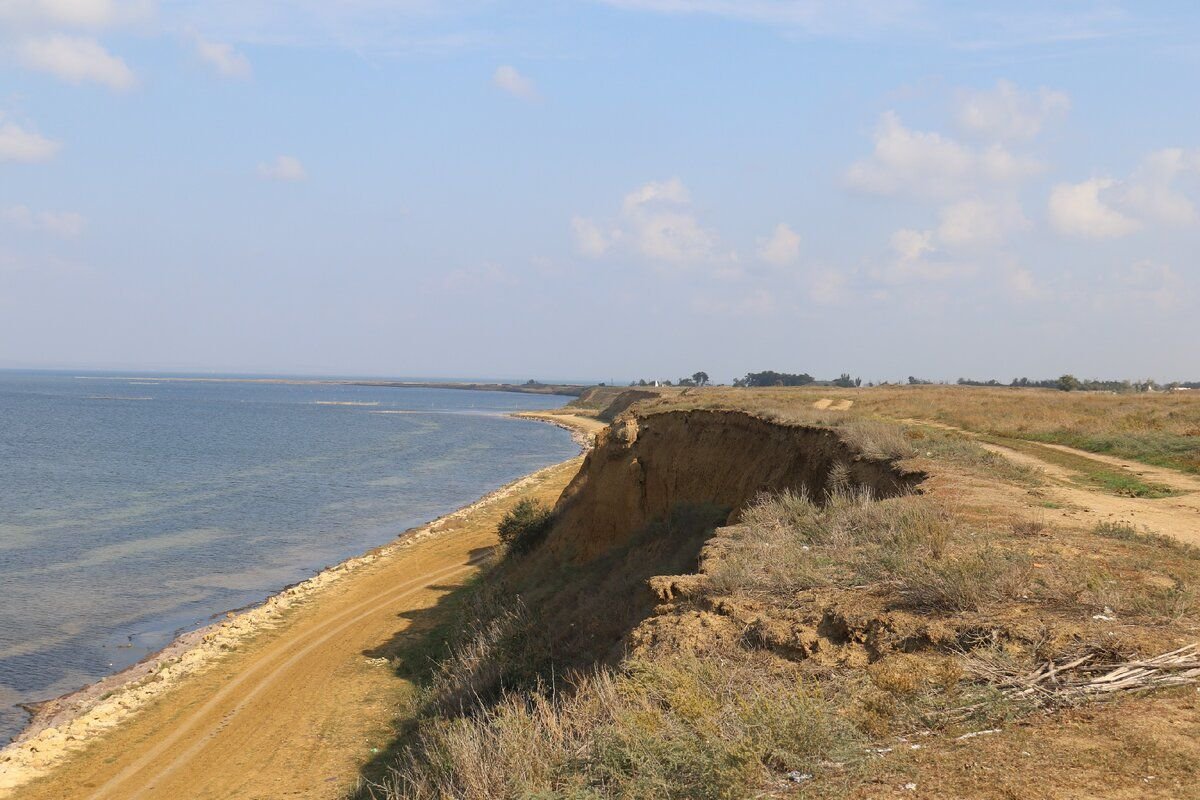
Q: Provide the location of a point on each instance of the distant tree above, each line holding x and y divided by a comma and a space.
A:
1069, 383
685, 382
844, 380
642, 382
857, 382
771, 378
918, 381
701, 378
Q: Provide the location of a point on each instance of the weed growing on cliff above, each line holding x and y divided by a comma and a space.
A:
525, 525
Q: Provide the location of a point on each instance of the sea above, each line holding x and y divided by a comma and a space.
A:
133, 508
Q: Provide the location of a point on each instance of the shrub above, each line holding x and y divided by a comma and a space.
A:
525, 525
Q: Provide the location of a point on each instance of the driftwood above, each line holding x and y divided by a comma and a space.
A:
1089, 678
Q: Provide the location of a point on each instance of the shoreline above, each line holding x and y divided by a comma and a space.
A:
62, 726
545, 389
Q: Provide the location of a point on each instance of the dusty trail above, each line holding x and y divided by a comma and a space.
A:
295, 710
1177, 516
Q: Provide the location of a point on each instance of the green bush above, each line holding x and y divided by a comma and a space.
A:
525, 525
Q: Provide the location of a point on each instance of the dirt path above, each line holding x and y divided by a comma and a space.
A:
1177, 516
295, 710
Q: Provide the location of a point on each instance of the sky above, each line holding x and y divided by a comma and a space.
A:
601, 189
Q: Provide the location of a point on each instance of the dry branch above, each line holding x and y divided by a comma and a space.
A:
1086, 678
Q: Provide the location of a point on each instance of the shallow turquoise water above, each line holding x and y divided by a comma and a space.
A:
131, 509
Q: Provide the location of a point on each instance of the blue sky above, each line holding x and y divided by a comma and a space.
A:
601, 189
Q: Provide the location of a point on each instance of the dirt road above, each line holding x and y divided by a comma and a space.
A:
297, 709
1177, 516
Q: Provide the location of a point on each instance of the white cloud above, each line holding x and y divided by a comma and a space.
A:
75, 59
1151, 191
910, 245
928, 164
979, 222
1006, 112
674, 237
590, 240
783, 248
1077, 209
60, 223
283, 168
912, 262
18, 144
73, 13
508, 79
670, 191
223, 58
656, 222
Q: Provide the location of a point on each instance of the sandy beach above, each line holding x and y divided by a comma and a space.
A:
255, 704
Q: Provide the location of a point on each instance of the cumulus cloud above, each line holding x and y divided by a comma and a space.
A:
222, 57
1079, 209
656, 222
1152, 191
674, 237
508, 79
782, 248
979, 222
662, 226
928, 164
59, 223
917, 258
670, 191
73, 13
283, 168
18, 144
1006, 112
910, 245
590, 240
76, 60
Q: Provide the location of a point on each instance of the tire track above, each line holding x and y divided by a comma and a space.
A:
323, 632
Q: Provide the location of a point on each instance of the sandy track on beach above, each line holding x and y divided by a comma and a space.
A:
295, 709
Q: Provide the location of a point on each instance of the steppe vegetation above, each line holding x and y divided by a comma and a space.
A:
829, 644
1160, 429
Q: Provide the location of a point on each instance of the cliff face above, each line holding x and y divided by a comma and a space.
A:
644, 466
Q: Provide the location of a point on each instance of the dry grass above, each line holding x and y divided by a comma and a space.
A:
1160, 429
906, 545
682, 727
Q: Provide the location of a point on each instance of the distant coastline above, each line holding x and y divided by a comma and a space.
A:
565, 389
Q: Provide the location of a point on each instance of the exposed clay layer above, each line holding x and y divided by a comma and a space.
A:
643, 466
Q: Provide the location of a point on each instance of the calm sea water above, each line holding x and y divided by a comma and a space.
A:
133, 508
